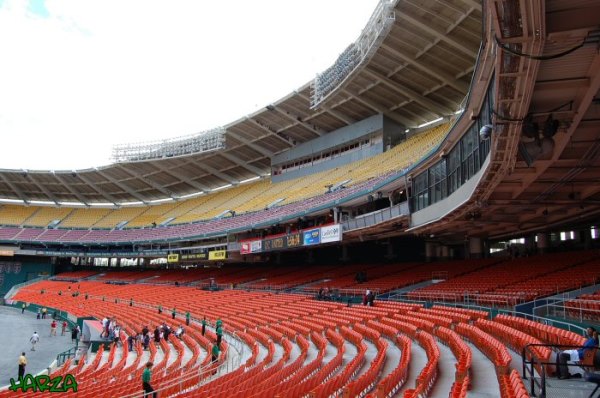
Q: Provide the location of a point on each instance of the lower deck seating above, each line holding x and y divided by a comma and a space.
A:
297, 346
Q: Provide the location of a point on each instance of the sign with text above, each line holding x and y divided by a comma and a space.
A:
331, 233
172, 258
312, 237
251, 246
294, 240
278, 243
217, 255
194, 256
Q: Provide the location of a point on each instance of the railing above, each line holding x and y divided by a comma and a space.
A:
376, 217
531, 363
579, 309
208, 372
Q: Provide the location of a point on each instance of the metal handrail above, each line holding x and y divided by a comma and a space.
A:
537, 361
203, 372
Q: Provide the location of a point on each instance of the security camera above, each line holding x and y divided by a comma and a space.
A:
486, 132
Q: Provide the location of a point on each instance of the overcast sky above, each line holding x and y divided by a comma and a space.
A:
78, 76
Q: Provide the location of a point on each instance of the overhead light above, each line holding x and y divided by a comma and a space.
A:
250, 180
439, 119
221, 187
42, 202
71, 204
161, 200
7, 200
191, 195
137, 203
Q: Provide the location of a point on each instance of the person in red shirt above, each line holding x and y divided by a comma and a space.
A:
53, 328
64, 328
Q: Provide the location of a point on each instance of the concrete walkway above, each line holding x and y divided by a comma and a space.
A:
17, 329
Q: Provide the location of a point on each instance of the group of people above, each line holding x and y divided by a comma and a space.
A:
163, 331
369, 298
110, 329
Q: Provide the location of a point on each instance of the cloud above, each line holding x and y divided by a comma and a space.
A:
91, 74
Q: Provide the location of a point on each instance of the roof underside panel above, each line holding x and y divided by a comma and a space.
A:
420, 70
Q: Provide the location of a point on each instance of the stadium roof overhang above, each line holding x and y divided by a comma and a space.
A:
417, 71
560, 188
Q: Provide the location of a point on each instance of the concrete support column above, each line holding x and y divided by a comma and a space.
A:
444, 252
345, 255
542, 242
587, 238
430, 251
475, 247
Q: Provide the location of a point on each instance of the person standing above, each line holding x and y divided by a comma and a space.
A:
22, 364
215, 353
64, 328
23, 308
159, 309
74, 333
203, 325
44, 312
173, 313
187, 318
53, 328
146, 378
34, 340
219, 335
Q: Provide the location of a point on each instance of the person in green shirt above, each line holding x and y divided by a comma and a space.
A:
173, 313
187, 318
215, 353
146, 378
219, 335
203, 325
23, 308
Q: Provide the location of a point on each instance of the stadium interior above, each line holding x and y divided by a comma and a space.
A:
420, 220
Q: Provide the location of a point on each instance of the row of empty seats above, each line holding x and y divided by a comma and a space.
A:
297, 344
522, 279
243, 198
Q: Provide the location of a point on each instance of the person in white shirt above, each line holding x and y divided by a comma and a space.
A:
104, 327
34, 340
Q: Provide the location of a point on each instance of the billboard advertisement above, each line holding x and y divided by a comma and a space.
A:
331, 233
217, 255
251, 246
312, 237
173, 258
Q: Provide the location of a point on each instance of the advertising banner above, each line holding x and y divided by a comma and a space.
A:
278, 243
251, 246
195, 256
331, 233
256, 246
172, 258
312, 237
294, 240
217, 255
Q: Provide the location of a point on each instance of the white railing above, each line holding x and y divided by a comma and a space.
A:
186, 145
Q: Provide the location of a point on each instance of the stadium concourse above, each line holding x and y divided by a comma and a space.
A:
443, 170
